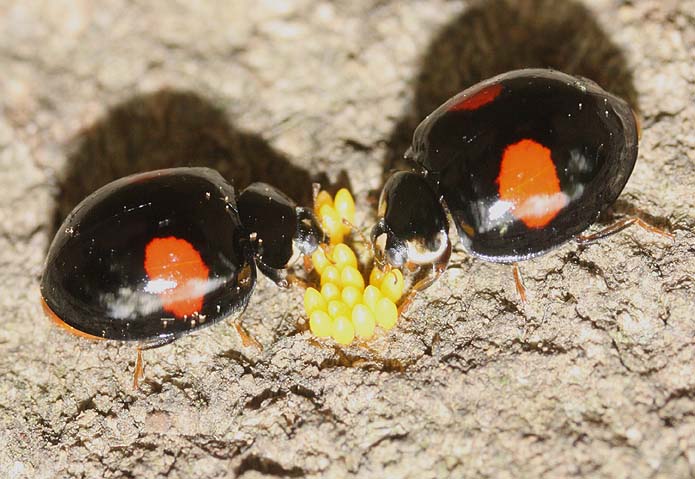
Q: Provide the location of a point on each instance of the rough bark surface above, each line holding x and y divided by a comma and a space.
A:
595, 376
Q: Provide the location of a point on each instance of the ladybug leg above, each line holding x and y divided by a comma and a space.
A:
433, 275
408, 300
421, 285
638, 123
315, 189
519, 282
327, 252
277, 276
621, 225
139, 369
282, 278
360, 233
294, 280
249, 281
246, 339
308, 265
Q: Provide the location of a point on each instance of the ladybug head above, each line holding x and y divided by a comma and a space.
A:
388, 248
309, 234
412, 229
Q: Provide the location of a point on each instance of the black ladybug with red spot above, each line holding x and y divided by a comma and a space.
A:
153, 256
523, 162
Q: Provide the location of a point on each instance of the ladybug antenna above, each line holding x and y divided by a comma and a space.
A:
362, 237
315, 189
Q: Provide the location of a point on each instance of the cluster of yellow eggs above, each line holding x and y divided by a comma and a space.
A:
344, 308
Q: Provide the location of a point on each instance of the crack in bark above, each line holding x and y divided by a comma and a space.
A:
265, 465
543, 347
266, 394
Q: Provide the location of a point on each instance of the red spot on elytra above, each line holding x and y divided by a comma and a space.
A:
529, 181
181, 272
475, 101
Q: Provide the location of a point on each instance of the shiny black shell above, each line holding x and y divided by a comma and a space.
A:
271, 216
411, 217
150, 256
477, 149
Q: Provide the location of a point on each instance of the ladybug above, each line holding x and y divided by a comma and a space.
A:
153, 256
523, 162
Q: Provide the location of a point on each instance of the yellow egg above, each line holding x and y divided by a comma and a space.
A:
371, 297
313, 301
376, 276
351, 296
330, 275
323, 198
349, 276
392, 285
330, 291
363, 321
343, 330
332, 224
337, 308
321, 324
319, 260
386, 313
343, 256
345, 206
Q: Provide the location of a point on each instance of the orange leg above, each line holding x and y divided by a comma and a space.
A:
315, 190
327, 251
621, 225
405, 303
360, 233
139, 369
308, 265
294, 280
411, 267
433, 275
246, 339
519, 282
139, 372
638, 122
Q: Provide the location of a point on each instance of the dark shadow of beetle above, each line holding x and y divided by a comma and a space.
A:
166, 129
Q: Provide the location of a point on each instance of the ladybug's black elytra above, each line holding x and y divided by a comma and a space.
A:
523, 162
153, 256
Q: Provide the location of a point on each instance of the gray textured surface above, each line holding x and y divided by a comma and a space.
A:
595, 377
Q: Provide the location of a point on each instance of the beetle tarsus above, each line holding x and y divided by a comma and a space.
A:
139, 371
360, 233
519, 283
277, 276
246, 339
620, 225
308, 265
315, 190
436, 270
294, 280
